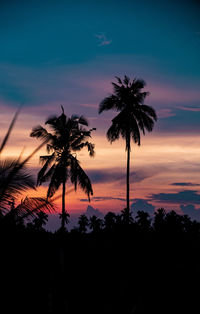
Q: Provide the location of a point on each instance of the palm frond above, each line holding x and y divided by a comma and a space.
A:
119, 80
14, 179
126, 80
111, 102
40, 132
149, 111
90, 147
45, 177
57, 177
46, 161
113, 132
9, 131
82, 120
30, 206
78, 176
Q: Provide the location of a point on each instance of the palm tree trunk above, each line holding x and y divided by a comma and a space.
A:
63, 207
128, 173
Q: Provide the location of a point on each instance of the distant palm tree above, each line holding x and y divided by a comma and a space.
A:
83, 222
110, 221
68, 136
133, 117
40, 220
95, 223
126, 216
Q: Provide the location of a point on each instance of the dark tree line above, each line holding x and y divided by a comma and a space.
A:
144, 265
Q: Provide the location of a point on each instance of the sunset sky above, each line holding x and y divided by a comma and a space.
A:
64, 52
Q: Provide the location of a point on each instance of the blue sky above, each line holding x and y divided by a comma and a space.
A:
46, 47
62, 33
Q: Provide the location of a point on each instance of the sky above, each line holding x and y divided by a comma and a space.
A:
64, 52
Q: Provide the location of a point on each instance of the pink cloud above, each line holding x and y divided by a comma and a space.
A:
195, 109
172, 95
165, 113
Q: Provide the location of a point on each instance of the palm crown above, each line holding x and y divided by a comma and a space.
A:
134, 115
68, 136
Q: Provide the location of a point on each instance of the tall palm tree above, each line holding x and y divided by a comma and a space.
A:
133, 118
69, 135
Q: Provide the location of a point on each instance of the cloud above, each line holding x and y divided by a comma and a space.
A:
182, 197
185, 184
170, 94
165, 113
102, 39
191, 211
115, 175
103, 198
141, 204
181, 121
90, 211
190, 108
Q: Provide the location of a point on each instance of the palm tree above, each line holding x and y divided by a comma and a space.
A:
40, 220
133, 118
68, 136
95, 223
110, 221
83, 223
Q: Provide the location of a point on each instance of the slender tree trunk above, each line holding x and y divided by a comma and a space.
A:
128, 173
63, 207
64, 300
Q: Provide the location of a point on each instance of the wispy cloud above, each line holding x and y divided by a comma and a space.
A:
190, 108
142, 204
103, 198
191, 211
102, 39
117, 175
185, 184
182, 197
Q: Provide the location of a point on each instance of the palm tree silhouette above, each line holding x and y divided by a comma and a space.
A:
68, 136
83, 222
95, 223
133, 117
110, 221
40, 220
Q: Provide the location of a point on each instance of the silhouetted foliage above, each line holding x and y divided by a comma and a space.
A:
15, 179
159, 220
143, 221
40, 220
126, 216
110, 220
83, 223
69, 135
95, 223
